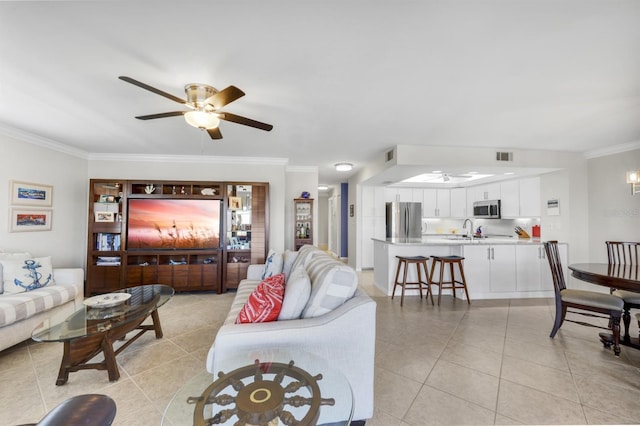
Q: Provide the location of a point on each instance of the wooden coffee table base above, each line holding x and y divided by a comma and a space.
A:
79, 351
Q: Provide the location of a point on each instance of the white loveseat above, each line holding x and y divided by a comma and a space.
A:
344, 336
21, 313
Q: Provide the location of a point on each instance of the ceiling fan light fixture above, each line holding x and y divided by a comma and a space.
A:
344, 167
202, 119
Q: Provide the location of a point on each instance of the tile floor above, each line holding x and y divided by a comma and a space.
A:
488, 363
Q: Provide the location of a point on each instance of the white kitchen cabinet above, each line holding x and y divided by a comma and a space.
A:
534, 273
458, 203
435, 202
510, 199
529, 266
530, 197
477, 270
379, 203
503, 268
391, 195
490, 268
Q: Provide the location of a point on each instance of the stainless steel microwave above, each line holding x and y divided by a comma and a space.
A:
489, 209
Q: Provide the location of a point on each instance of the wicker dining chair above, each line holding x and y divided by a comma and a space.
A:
582, 302
623, 254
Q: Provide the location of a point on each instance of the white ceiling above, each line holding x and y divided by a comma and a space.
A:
339, 80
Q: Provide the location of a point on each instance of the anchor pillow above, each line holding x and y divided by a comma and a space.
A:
26, 275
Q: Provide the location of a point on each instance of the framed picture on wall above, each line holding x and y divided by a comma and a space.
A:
31, 194
23, 220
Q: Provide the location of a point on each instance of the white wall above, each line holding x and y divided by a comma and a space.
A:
66, 242
614, 214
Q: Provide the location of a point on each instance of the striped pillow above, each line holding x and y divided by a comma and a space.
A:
332, 284
265, 303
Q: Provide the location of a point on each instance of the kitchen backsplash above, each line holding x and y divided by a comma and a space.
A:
489, 226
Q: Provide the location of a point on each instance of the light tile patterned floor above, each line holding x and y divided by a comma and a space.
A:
489, 363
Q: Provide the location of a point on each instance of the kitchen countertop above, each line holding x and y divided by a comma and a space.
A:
450, 239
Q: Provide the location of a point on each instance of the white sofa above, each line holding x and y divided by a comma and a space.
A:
21, 313
344, 337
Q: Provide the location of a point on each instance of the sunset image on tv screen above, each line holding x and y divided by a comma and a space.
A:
173, 224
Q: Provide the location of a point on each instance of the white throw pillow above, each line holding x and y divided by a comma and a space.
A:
26, 275
333, 284
296, 294
288, 257
11, 256
273, 264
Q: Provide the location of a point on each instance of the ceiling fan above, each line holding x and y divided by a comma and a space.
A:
205, 103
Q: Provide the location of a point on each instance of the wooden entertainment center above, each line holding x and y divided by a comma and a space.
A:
181, 253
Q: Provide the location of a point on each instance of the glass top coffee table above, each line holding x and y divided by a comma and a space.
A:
103, 320
264, 387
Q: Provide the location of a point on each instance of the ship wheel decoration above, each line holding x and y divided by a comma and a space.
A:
261, 402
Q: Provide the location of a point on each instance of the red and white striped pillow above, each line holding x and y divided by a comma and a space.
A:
265, 303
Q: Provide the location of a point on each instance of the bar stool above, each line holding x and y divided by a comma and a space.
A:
453, 284
405, 261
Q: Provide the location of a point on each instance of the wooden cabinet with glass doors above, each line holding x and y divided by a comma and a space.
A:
303, 222
246, 230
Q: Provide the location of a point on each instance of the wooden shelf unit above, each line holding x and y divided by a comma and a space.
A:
303, 222
112, 266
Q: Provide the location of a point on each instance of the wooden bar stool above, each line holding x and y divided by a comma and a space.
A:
403, 264
453, 284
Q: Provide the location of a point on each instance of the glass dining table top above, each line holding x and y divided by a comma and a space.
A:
97, 315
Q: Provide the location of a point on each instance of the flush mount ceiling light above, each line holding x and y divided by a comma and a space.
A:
323, 187
344, 167
633, 178
202, 119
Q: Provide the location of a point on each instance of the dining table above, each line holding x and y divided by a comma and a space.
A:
612, 275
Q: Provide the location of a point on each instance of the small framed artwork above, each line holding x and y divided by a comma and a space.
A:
235, 203
31, 194
107, 199
105, 216
23, 220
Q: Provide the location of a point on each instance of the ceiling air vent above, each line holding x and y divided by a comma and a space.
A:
504, 156
390, 155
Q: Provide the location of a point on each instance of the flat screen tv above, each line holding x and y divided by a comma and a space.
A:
173, 224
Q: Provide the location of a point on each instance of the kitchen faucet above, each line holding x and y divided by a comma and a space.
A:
470, 229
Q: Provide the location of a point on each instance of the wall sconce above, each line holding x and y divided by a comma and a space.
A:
634, 179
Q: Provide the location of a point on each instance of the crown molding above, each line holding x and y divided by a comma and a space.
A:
41, 141
616, 149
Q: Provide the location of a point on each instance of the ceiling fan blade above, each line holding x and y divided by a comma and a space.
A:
224, 97
161, 115
246, 121
215, 133
152, 89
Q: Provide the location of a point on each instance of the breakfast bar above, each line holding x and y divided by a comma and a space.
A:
495, 267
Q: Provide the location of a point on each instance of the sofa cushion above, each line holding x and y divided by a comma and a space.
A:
305, 254
27, 275
273, 264
332, 284
288, 257
265, 303
10, 256
16, 307
296, 294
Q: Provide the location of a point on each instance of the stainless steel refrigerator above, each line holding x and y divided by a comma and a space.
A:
404, 220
